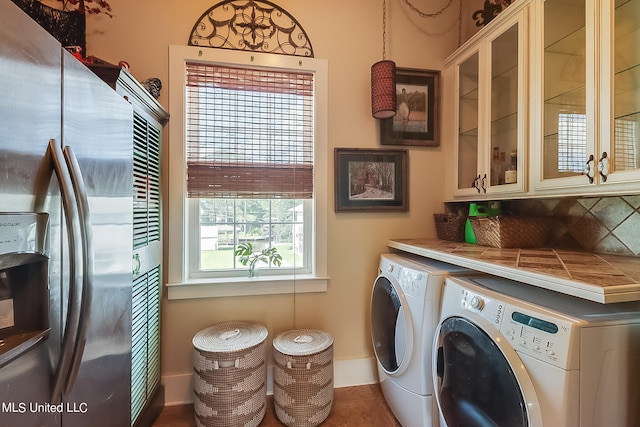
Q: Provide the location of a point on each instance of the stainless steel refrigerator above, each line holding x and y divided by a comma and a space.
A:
65, 236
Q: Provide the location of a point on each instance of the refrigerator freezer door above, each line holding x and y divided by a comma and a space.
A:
30, 115
98, 126
42, 88
30, 112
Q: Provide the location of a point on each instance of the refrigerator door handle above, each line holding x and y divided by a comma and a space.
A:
87, 263
73, 310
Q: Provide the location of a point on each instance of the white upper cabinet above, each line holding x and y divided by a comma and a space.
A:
487, 86
556, 83
620, 83
585, 114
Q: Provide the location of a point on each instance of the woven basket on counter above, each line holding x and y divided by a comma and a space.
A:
450, 227
510, 232
303, 377
230, 382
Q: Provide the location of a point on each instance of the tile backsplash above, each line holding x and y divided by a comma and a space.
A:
596, 224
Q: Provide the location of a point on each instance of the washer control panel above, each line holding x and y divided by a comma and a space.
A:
536, 333
413, 282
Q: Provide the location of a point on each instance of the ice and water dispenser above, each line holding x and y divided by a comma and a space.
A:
24, 290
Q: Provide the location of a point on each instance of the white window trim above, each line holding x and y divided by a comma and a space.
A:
179, 285
196, 274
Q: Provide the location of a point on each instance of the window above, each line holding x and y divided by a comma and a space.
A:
225, 223
626, 145
249, 141
248, 161
572, 142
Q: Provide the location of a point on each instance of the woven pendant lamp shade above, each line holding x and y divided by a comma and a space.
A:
383, 89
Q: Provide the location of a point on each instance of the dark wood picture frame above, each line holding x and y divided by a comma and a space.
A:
417, 120
371, 180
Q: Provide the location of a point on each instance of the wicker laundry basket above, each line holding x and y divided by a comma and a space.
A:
230, 382
303, 377
511, 232
450, 227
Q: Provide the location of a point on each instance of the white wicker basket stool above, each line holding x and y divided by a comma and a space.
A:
303, 377
231, 375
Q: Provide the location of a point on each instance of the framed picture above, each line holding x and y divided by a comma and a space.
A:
417, 119
371, 180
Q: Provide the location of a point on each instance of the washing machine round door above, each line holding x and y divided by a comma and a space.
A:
391, 325
474, 379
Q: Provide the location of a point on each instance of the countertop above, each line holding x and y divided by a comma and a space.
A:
602, 278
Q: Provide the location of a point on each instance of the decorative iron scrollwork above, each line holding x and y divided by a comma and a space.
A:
258, 26
489, 11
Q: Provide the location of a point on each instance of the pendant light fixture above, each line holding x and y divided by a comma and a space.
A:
383, 79
383, 73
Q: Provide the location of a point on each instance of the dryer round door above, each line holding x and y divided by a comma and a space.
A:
479, 380
391, 325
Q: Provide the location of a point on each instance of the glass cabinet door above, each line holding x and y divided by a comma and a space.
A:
567, 123
468, 143
504, 120
490, 112
620, 140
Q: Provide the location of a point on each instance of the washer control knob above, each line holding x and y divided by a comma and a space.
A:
477, 303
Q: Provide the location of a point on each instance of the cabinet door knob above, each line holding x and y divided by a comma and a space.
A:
484, 183
475, 183
603, 166
589, 169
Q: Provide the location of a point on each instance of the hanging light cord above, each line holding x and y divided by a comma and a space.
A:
384, 29
427, 15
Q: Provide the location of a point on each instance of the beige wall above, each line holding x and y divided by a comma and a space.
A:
348, 35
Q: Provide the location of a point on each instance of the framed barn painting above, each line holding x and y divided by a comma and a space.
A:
371, 180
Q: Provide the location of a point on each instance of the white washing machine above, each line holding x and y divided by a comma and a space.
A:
405, 302
509, 354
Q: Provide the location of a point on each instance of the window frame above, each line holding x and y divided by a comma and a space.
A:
181, 283
193, 211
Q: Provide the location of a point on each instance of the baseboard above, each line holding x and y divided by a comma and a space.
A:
178, 389
352, 372
346, 373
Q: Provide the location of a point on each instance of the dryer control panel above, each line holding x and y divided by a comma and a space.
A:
387, 266
539, 334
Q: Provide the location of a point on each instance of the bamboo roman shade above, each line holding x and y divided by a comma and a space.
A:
249, 132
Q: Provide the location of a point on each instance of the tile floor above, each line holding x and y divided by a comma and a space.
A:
352, 407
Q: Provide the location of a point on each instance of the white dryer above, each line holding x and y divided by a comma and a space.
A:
405, 302
510, 354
